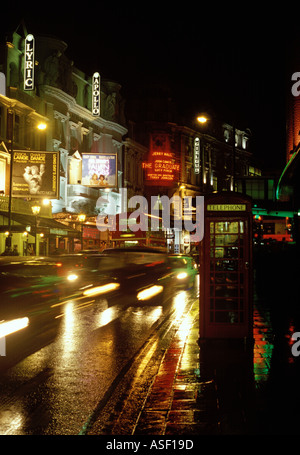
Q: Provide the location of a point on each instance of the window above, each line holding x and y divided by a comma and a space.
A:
226, 304
226, 135
1, 120
215, 183
17, 129
2, 174
244, 142
85, 147
270, 189
255, 189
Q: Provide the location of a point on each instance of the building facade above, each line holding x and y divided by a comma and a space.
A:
191, 161
149, 153
78, 129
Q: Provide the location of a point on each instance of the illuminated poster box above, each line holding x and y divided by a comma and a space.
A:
35, 174
99, 170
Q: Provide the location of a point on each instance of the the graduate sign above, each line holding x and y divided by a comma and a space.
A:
35, 174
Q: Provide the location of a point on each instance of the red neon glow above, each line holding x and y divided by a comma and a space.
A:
161, 168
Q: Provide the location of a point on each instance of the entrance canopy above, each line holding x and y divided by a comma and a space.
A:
21, 221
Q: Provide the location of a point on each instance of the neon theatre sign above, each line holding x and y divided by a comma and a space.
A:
162, 168
29, 63
96, 95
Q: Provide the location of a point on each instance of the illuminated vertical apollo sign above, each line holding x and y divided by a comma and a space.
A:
197, 155
29, 63
96, 95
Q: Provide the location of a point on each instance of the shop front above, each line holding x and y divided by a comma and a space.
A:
32, 234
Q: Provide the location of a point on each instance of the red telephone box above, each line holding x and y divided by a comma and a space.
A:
226, 268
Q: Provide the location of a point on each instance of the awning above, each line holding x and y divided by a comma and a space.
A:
54, 227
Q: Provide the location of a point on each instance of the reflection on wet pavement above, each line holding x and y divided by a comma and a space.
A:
263, 346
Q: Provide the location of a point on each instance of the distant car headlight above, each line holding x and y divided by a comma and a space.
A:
72, 277
182, 275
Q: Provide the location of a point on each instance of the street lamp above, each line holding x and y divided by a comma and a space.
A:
81, 218
202, 119
41, 126
35, 210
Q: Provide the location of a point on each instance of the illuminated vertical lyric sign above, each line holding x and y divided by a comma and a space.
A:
96, 95
29, 63
197, 155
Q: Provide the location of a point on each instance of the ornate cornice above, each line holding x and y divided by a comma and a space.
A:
82, 112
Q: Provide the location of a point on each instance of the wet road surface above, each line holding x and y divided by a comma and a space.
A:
80, 363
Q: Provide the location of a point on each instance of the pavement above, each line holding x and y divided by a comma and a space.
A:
227, 387
181, 400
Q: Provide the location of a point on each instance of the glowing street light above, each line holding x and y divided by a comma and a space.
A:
36, 209
202, 119
81, 218
41, 126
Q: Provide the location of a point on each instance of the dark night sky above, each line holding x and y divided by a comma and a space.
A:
231, 61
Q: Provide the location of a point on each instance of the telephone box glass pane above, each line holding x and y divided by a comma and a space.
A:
226, 269
230, 317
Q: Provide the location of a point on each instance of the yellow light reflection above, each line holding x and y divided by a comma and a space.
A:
6, 328
149, 292
180, 303
152, 314
145, 361
108, 315
68, 338
263, 347
11, 422
97, 290
185, 328
69, 313
155, 313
